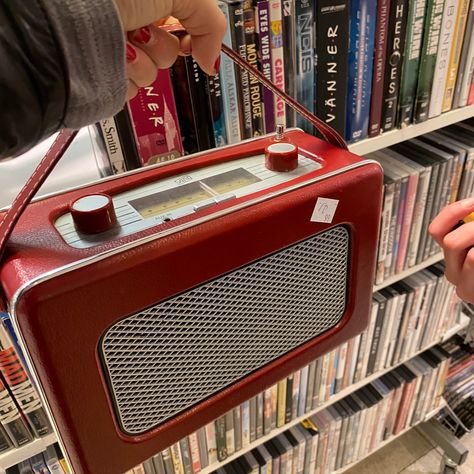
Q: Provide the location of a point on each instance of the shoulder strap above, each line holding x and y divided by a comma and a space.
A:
42, 171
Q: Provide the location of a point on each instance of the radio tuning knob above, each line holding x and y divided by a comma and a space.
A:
281, 156
93, 213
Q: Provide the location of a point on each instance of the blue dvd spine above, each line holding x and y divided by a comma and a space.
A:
360, 66
305, 59
217, 110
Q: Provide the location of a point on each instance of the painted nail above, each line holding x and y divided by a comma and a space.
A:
131, 53
217, 64
143, 35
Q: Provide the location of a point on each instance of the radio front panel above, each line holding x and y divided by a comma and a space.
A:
169, 199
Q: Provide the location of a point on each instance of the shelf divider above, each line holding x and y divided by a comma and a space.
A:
396, 136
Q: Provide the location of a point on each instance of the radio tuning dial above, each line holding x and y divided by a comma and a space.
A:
93, 213
281, 156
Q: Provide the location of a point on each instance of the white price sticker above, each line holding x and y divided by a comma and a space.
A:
324, 210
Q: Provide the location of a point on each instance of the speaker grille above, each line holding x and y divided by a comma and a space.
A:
167, 358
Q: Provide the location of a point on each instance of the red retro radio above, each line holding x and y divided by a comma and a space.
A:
151, 303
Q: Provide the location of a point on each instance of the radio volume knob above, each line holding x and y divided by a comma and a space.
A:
93, 213
281, 156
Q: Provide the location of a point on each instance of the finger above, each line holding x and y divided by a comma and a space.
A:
141, 70
174, 27
456, 245
159, 45
206, 24
465, 287
449, 217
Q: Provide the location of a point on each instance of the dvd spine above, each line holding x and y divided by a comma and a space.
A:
264, 43
466, 63
237, 32
256, 105
278, 59
182, 93
11, 420
5, 441
304, 59
288, 25
457, 46
429, 51
332, 43
21, 387
396, 45
381, 34
155, 122
199, 93
217, 110
229, 88
361, 49
414, 35
110, 137
443, 54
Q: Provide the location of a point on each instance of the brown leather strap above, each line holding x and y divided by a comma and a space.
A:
65, 137
328, 133
42, 171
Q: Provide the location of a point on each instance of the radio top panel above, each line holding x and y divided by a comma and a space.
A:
92, 221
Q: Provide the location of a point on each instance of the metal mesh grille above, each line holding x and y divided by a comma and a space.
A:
167, 358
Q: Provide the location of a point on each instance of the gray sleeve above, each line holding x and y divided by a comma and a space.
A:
91, 36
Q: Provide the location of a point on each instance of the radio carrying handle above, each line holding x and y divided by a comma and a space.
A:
65, 137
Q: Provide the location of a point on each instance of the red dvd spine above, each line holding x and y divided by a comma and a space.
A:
20, 385
155, 121
381, 32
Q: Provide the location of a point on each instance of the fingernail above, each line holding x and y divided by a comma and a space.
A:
131, 53
143, 36
467, 203
217, 64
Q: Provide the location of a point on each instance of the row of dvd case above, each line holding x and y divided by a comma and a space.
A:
50, 461
405, 318
366, 67
338, 435
459, 391
354, 426
422, 176
22, 415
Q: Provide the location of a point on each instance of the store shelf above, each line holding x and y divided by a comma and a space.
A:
428, 416
14, 456
396, 136
410, 271
343, 393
